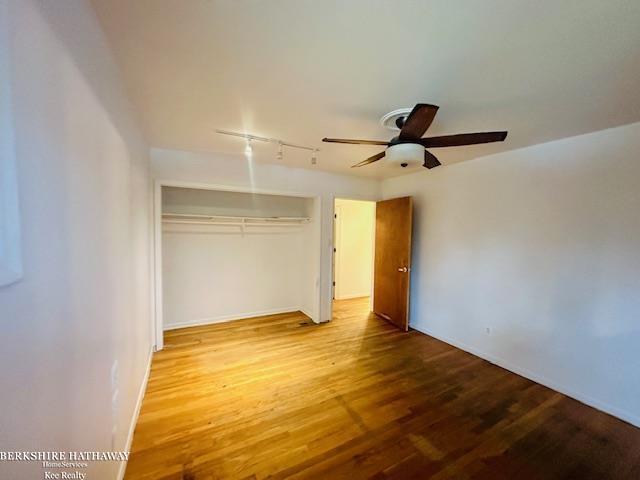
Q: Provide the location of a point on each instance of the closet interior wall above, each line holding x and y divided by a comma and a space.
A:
231, 255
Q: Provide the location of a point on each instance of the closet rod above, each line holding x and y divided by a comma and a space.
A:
241, 224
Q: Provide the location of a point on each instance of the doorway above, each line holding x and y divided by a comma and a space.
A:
353, 254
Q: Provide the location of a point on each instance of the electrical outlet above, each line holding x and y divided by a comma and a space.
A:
114, 404
114, 432
114, 401
114, 417
114, 375
115, 394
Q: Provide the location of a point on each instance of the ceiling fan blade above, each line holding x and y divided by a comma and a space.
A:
463, 139
418, 121
355, 142
430, 160
369, 160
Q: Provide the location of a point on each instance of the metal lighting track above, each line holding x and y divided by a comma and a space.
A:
277, 141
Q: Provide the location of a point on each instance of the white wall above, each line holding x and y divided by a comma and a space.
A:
213, 274
219, 273
217, 202
540, 245
84, 197
10, 250
236, 171
310, 265
354, 232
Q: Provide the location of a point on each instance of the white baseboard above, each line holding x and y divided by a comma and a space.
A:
136, 413
353, 295
230, 318
308, 314
523, 372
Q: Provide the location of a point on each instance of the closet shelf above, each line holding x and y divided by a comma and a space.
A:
196, 219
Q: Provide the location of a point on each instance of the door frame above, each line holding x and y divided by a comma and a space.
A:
157, 313
333, 242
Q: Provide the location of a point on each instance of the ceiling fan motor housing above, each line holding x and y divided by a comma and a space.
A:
395, 120
405, 154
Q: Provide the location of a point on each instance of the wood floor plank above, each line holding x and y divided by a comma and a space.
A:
277, 397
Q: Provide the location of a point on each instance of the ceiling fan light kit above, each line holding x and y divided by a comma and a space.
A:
409, 148
405, 154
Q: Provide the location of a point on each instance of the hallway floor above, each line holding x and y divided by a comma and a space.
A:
278, 397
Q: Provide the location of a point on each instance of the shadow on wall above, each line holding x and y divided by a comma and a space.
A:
80, 39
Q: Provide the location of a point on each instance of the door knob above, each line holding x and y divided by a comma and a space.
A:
403, 269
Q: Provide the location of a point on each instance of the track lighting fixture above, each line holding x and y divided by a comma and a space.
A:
248, 151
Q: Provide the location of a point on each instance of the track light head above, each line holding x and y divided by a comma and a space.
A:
248, 150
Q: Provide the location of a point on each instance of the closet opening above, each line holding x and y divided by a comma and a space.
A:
353, 256
225, 255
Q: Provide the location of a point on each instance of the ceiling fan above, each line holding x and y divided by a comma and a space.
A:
409, 148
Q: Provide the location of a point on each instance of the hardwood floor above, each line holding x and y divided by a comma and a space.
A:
275, 397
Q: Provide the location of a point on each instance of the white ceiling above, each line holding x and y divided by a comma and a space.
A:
304, 69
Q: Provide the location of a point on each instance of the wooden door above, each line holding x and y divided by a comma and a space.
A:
392, 265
